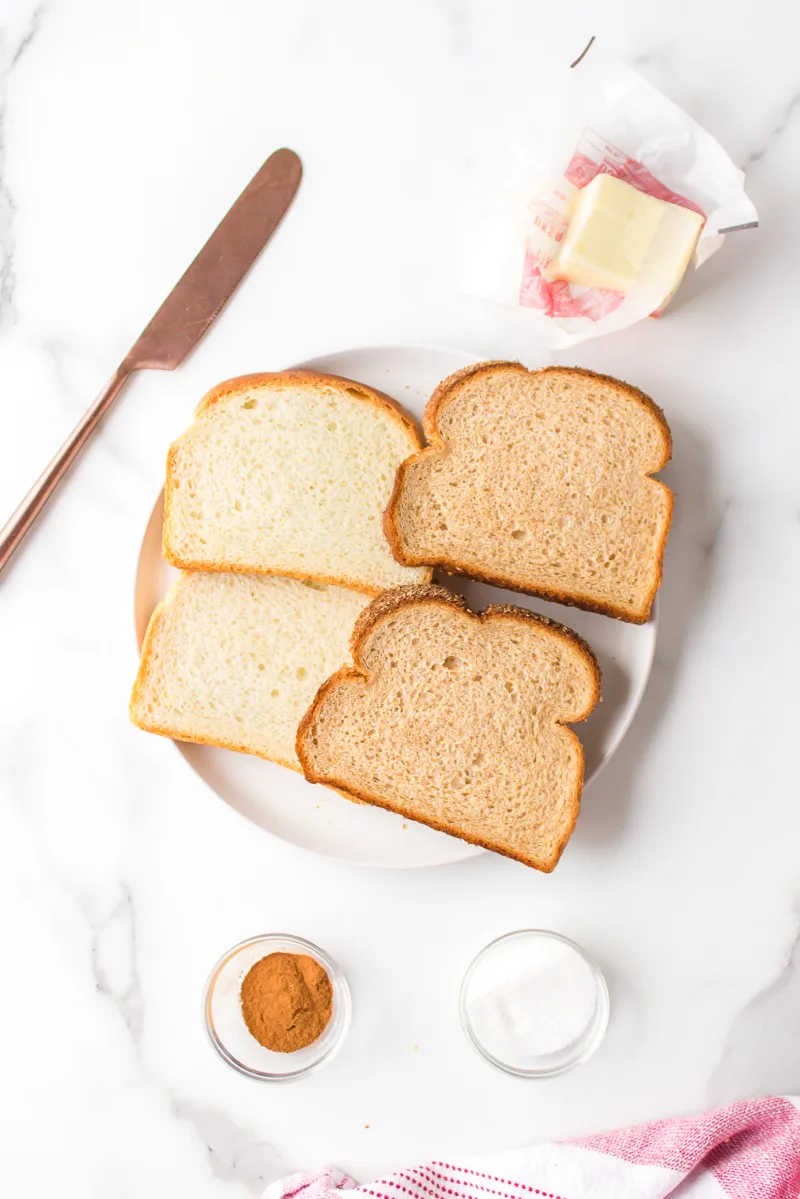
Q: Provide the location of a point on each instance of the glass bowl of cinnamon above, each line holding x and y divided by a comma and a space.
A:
276, 1007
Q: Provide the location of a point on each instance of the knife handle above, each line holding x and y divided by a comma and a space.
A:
18, 525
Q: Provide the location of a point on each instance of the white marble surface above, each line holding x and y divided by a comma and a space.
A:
125, 132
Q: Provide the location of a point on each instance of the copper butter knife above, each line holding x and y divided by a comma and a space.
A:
190, 308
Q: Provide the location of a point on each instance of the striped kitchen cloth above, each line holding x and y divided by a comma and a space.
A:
750, 1150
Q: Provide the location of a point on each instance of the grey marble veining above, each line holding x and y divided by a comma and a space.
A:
234, 1154
782, 125
125, 131
114, 963
17, 38
762, 1052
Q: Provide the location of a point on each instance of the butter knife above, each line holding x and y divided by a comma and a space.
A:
188, 311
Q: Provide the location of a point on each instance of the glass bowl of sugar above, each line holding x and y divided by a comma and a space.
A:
534, 1004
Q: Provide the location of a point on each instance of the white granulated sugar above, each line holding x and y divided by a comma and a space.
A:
529, 998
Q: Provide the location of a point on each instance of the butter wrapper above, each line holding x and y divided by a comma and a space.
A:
606, 119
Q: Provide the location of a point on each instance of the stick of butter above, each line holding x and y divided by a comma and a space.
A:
615, 231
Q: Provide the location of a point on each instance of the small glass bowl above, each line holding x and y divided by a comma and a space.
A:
511, 947
230, 1036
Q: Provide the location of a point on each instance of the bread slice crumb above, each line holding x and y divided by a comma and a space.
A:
458, 721
235, 660
289, 474
540, 481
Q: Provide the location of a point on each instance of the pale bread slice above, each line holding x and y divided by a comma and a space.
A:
540, 481
458, 721
235, 660
289, 474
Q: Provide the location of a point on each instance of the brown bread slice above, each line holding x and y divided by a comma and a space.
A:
458, 721
540, 481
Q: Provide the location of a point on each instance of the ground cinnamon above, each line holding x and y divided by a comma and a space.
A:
287, 1001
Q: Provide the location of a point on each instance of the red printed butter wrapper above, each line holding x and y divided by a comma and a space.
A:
607, 121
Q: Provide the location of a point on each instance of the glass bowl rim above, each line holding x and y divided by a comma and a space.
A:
341, 991
602, 999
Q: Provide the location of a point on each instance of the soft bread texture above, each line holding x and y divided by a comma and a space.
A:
540, 481
457, 721
289, 474
235, 660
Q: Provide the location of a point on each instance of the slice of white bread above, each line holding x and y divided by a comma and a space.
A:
457, 721
235, 660
289, 474
540, 481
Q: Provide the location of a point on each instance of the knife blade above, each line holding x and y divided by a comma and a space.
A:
190, 308
204, 290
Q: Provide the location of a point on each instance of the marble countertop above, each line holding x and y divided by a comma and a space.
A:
125, 132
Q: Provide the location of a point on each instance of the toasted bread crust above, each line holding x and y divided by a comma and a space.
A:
448, 387
237, 567
243, 383
423, 594
238, 386
444, 394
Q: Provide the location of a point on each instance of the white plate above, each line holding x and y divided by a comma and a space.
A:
315, 818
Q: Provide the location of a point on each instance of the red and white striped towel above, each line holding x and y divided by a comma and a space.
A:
750, 1150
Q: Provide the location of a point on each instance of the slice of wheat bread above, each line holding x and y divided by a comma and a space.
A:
540, 481
235, 660
458, 721
289, 474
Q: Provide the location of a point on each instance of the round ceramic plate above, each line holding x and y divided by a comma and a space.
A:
315, 818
